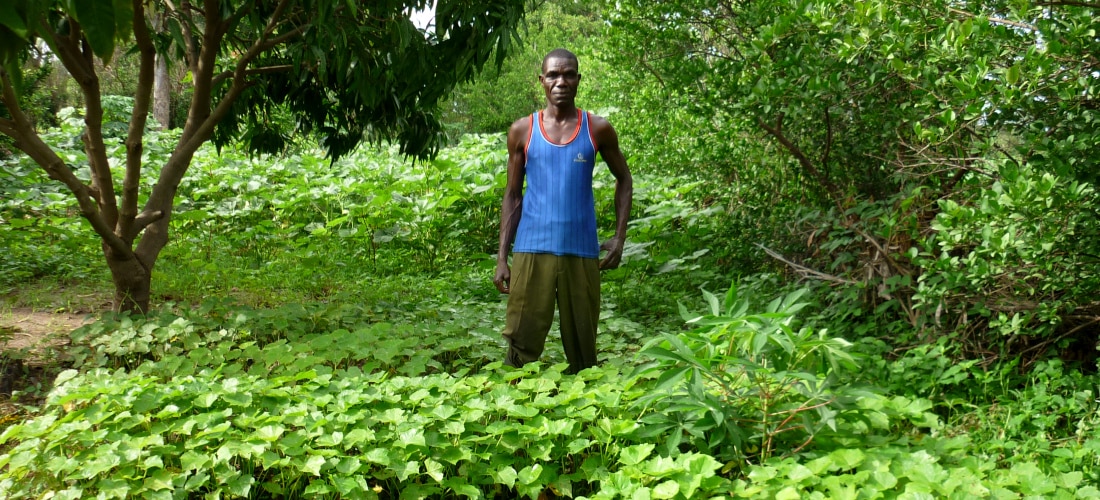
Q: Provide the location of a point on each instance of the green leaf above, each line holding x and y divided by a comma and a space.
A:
847, 459
788, 493
713, 303
506, 476
667, 489
530, 475
433, 469
461, 487
160, 479
313, 465
240, 485
10, 18
97, 17
633, 455
113, 488
407, 469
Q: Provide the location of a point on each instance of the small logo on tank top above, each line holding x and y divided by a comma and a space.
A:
579, 158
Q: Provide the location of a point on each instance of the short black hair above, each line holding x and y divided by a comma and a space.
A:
560, 53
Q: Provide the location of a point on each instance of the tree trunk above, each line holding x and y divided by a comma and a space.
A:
161, 95
132, 280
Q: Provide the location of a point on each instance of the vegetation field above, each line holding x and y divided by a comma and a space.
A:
861, 262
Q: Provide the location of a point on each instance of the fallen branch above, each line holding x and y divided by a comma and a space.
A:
805, 271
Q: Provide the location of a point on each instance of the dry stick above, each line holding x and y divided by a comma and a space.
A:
805, 270
997, 20
1052, 340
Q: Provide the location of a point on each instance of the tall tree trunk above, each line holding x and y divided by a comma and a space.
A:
161, 95
132, 279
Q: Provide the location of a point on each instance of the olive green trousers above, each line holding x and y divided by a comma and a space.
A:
540, 280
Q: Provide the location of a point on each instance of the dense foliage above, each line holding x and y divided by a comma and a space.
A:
391, 384
932, 162
861, 264
347, 73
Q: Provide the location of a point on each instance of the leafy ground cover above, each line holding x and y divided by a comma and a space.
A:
329, 330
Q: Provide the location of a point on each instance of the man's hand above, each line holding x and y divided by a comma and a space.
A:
614, 248
503, 277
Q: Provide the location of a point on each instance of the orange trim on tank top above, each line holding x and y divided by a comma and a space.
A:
530, 133
576, 132
591, 134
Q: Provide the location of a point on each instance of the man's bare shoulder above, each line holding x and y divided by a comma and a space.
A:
518, 132
598, 121
521, 124
602, 129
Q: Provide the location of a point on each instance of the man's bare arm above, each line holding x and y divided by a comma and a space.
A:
608, 142
512, 207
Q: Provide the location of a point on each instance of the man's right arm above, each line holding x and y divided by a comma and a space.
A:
512, 207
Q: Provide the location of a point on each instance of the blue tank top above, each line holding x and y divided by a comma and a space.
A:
559, 210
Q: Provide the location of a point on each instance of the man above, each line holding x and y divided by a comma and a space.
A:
553, 224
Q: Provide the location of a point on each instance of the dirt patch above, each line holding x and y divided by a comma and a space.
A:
30, 344
32, 333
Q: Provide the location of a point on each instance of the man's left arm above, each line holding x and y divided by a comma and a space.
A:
608, 142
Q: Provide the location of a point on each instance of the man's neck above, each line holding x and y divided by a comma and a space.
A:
560, 113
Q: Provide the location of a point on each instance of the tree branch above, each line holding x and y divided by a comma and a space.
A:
225, 75
805, 271
201, 120
65, 49
146, 218
138, 117
828, 140
996, 20
7, 127
203, 131
1069, 3
777, 132
186, 22
27, 141
76, 55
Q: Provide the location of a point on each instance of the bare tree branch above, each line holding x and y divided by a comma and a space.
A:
138, 117
805, 271
1069, 3
777, 132
30, 143
146, 218
997, 20
225, 75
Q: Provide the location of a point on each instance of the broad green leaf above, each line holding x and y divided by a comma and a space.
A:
240, 485
11, 19
634, 455
159, 479
847, 458
113, 488
312, 465
407, 469
506, 475
97, 17
433, 469
530, 475
714, 305
667, 489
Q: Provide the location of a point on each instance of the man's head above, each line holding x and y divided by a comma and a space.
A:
560, 77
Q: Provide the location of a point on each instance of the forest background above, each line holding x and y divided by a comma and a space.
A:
903, 196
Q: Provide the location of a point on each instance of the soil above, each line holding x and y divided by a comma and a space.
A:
34, 333
30, 344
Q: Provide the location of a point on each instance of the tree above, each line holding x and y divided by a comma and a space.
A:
490, 104
928, 137
348, 71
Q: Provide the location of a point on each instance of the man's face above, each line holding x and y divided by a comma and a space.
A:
559, 80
